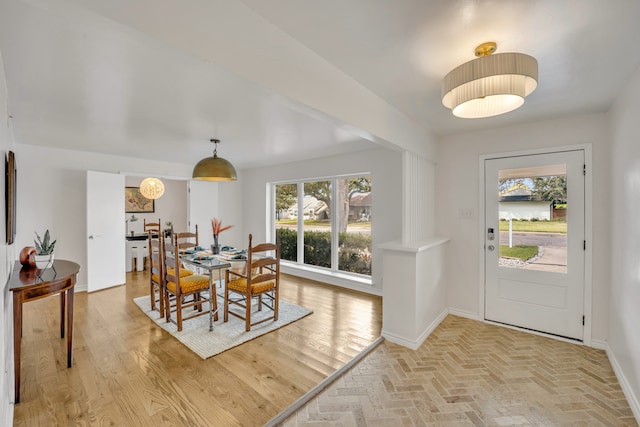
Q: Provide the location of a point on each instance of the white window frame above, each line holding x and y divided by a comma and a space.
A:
271, 227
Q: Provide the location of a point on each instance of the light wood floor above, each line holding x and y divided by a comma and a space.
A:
129, 372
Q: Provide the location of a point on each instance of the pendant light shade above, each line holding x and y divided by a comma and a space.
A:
214, 168
490, 84
151, 188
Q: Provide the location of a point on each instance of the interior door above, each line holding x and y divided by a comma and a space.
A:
203, 207
105, 230
545, 292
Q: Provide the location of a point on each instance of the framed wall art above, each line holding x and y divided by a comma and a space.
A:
10, 196
135, 202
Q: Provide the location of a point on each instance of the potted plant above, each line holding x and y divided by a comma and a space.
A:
44, 251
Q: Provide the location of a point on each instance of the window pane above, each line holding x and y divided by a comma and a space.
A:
354, 225
533, 224
316, 208
286, 220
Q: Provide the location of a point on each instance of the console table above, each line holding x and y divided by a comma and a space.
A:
28, 284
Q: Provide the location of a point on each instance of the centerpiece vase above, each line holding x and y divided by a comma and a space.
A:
215, 248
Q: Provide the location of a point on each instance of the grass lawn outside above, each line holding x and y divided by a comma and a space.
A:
522, 252
536, 226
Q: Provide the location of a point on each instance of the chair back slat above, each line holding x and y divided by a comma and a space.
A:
185, 240
264, 247
263, 262
151, 226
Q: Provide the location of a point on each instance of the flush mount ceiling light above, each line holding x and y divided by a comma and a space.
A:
151, 188
214, 168
490, 84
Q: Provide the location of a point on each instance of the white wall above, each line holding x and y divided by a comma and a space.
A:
385, 167
624, 223
52, 195
457, 188
172, 206
7, 255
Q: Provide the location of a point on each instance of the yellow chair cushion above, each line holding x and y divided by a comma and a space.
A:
183, 273
240, 285
188, 284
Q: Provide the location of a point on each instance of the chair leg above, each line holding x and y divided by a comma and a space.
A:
214, 302
275, 304
161, 298
260, 302
179, 312
226, 304
152, 294
167, 306
247, 316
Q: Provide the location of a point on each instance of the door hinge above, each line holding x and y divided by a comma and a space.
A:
582, 320
584, 245
584, 169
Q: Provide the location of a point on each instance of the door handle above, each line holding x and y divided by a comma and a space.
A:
491, 247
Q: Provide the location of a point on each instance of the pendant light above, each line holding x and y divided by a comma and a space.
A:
490, 84
214, 168
151, 188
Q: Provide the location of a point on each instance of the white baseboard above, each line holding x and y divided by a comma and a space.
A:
465, 314
411, 343
632, 399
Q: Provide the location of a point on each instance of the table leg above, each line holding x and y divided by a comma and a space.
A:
211, 296
63, 301
17, 338
69, 327
215, 298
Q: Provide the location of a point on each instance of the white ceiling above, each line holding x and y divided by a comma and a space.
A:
157, 79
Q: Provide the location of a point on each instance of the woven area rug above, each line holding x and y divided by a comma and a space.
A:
195, 332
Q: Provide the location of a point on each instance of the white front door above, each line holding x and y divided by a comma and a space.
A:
105, 230
542, 291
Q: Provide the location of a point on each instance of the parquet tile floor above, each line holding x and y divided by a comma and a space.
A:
469, 373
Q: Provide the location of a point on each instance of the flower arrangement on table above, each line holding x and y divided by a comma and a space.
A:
217, 227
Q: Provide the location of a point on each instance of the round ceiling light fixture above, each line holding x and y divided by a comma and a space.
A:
489, 85
151, 188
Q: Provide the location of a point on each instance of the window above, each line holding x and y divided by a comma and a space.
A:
286, 220
325, 223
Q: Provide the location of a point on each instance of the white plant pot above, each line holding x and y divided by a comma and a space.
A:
43, 261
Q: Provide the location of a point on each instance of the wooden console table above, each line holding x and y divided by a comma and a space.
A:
31, 284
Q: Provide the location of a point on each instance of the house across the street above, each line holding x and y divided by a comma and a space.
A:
519, 202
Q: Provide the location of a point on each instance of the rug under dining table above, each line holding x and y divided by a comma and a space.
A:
195, 332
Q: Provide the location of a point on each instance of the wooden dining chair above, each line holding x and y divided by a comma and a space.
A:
151, 226
188, 291
156, 273
260, 279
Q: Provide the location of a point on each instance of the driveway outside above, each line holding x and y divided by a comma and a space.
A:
553, 246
